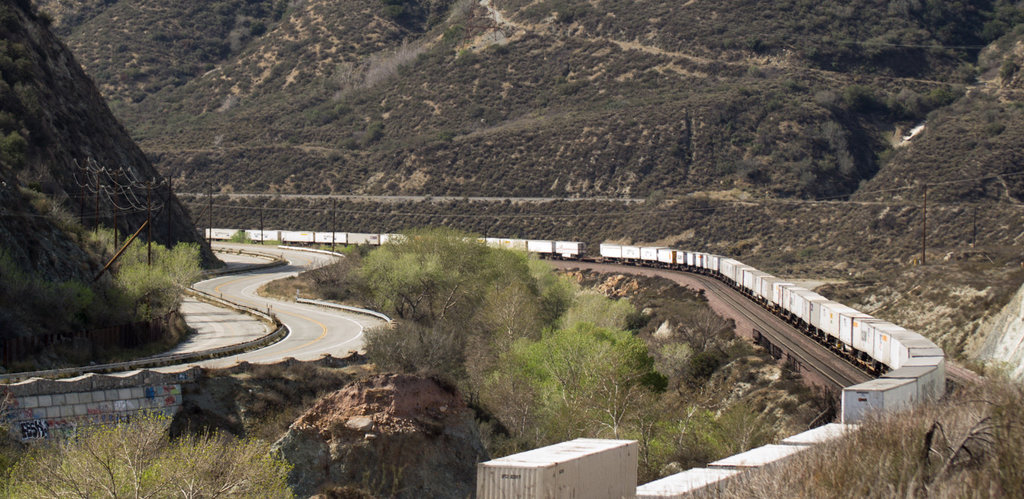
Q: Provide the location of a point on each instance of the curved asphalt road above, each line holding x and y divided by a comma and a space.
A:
315, 331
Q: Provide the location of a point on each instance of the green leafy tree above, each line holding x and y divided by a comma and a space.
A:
156, 288
588, 379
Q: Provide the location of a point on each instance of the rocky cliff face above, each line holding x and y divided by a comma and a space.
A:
1004, 337
390, 435
54, 126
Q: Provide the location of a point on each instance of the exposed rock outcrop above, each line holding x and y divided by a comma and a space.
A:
391, 435
1004, 337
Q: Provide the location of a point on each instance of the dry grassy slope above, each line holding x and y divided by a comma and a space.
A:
55, 117
598, 98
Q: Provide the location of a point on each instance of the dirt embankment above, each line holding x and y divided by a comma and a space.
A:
390, 435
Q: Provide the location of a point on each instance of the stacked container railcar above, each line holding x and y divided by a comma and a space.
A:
330, 237
296, 237
649, 255
669, 257
569, 249
540, 247
611, 251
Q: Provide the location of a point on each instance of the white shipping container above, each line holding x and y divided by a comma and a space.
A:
691, 259
325, 237
818, 435
220, 234
779, 295
292, 236
864, 336
713, 262
493, 242
849, 321
582, 468
764, 286
908, 344
363, 238
569, 249
761, 456
631, 252
728, 267
542, 247
813, 304
750, 279
268, 235
611, 251
518, 244
649, 253
683, 484
929, 374
883, 343
877, 395
668, 256
390, 238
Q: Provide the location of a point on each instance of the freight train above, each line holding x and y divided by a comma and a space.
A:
910, 368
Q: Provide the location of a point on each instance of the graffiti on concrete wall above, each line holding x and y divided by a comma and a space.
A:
34, 429
39, 417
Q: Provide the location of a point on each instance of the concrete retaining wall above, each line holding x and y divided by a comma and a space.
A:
40, 408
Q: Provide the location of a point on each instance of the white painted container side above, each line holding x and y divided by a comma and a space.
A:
830, 317
819, 435
750, 276
291, 236
220, 234
682, 484
390, 238
363, 238
539, 246
930, 373
668, 255
569, 248
518, 244
631, 252
883, 342
494, 242
761, 456
611, 251
864, 336
713, 263
649, 253
877, 395
849, 321
581, 468
325, 237
779, 294
268, 235
908, 345
814, 309
766, 287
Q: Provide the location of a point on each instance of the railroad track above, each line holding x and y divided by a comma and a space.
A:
835, 371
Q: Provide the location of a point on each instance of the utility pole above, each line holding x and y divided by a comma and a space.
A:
113, 204
334, 218
149, 223
924, 227
97, 202
261, 223
167, 204
974, 228
209, 236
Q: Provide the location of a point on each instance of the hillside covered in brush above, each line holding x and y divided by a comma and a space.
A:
559, 98
62, 150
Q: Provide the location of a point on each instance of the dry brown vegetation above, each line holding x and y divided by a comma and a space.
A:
969, 445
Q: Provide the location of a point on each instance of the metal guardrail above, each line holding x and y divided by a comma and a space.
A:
277, 261
150, 362
345, 307
280, 331
311, 250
